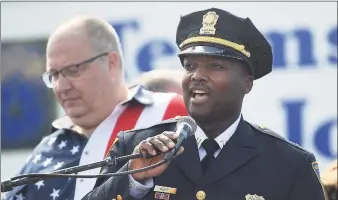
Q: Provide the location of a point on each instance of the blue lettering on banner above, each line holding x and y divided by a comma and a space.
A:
294, 117
303, 37
294, 111
322, 138
332, 37
122, 26
305, 47
151, 51
277, 41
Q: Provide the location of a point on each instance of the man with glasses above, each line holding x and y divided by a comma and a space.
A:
85, 71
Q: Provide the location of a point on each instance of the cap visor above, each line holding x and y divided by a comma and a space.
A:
212, 51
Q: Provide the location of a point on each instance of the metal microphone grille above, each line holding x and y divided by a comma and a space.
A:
189, 121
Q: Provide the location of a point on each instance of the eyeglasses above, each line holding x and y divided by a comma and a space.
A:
72, 71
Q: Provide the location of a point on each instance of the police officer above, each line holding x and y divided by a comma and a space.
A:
227, 158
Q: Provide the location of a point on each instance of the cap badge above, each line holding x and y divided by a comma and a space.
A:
209, 22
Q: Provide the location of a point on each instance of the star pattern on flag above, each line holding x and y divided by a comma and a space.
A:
58, 165
75, 149
37, 158
39, 184
62, 144
55, 194
47, 162
19, 197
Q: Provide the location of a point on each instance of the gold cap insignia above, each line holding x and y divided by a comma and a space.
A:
253, 197
119, 197
200, 195
209, 22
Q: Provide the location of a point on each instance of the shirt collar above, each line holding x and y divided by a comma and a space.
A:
140, 94
136, 93
222, 139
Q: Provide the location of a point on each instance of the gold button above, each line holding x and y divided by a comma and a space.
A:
119, 197
200, 195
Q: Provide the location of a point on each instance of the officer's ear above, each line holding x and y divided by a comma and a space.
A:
247, 78
248, 83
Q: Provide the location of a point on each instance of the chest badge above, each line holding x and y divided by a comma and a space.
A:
162, 192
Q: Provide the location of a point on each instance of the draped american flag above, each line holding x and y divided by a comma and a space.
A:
66, 148
61, 149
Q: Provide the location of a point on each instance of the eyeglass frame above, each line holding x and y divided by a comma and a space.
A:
78, 65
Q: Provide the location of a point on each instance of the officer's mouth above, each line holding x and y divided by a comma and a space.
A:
199, 96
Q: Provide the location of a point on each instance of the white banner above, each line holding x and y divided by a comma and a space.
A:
297, 100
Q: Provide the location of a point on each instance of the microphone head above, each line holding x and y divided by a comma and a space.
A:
190, 121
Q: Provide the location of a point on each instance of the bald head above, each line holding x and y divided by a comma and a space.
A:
97, 33
161, 80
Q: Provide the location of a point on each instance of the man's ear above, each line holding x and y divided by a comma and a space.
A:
113, 62
248, 83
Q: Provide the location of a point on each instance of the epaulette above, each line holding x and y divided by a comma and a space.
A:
268, 131
167, 121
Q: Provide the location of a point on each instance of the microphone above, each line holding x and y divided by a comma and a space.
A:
186, 127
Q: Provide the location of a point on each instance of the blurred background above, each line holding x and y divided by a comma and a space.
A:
298, 99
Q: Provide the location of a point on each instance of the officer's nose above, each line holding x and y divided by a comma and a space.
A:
200, 74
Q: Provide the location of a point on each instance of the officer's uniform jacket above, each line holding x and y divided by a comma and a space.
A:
255, 164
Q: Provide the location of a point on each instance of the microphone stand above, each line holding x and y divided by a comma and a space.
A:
33, 178
109, 161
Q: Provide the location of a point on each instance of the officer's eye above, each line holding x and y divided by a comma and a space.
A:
217, 66
188, 66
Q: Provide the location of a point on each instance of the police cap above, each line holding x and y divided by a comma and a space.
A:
216, 32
